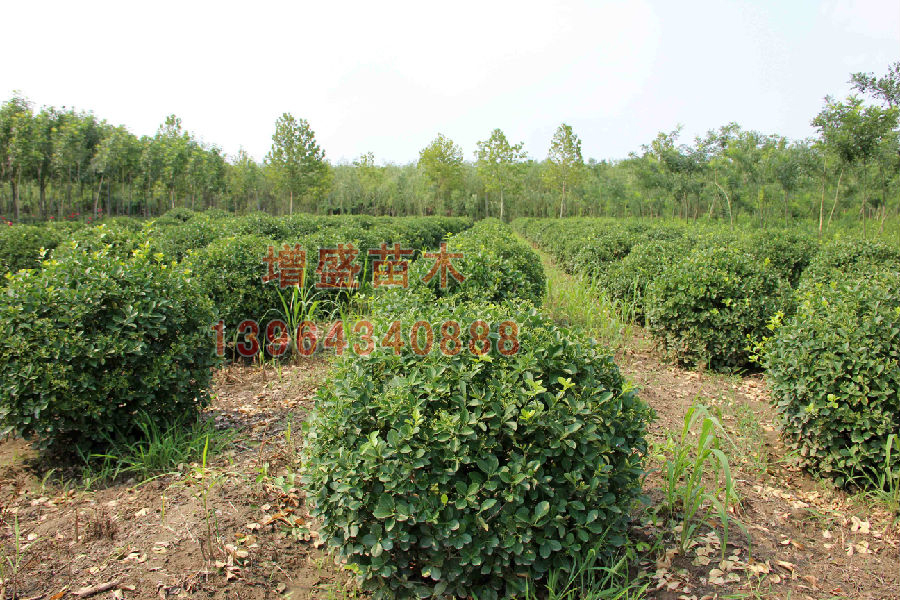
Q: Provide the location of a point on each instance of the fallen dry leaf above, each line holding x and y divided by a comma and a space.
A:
858, 525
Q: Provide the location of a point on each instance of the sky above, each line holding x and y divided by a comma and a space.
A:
387, 77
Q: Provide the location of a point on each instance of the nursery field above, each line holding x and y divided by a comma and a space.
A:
205, 405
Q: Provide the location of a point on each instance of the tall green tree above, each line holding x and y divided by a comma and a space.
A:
297, 160
565, 167
175, 149
16, 148
497, 162
441, 162
854, 133
886, 88
245, 183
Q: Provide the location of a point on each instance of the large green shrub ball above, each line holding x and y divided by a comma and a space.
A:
834, 368
261, 224
91, 344
230, 271
789, 252
175, 241
626, 280
841, 256
603, 246
471, 476
20, 246
495, 265
703, 308
118, 241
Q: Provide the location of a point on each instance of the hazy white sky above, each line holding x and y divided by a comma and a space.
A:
386, 77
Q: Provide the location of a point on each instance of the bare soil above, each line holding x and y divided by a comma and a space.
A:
807, 539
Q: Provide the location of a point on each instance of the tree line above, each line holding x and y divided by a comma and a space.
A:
63, 163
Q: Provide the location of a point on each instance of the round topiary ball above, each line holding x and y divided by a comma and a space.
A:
471, 475
494, 264
703, 307
231, 272
93, 344
20, 246
841, 256
789, 252
118, 241
834, 368
626, 280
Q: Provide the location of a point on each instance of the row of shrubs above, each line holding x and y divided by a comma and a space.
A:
108, 329
466, 475
179, 231
823, 319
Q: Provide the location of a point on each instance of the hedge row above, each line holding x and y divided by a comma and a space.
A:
710, 294
704, 304
181, 230
115, 325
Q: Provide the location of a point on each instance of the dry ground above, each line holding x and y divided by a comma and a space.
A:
807, 539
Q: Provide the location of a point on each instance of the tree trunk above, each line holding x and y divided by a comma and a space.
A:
97, 197
562, 204
865, 200
16, 197
836, 191
42, 187
727, 200
786, 209
822, 200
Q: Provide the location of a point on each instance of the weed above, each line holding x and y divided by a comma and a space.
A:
207, 482
884, 487
10, 565
593, 578
160, 449
685, 489
582, 302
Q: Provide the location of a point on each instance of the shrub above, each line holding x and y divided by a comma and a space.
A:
845, 255
123, 222
835, 374
64, 228
120, 242
179, 214
496, 267
20, 246
467, 476
627, 279
600, 248
177, 240
589, 246
261, 224
230, 271
704, 307
789, 252
90, 342
215, 214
